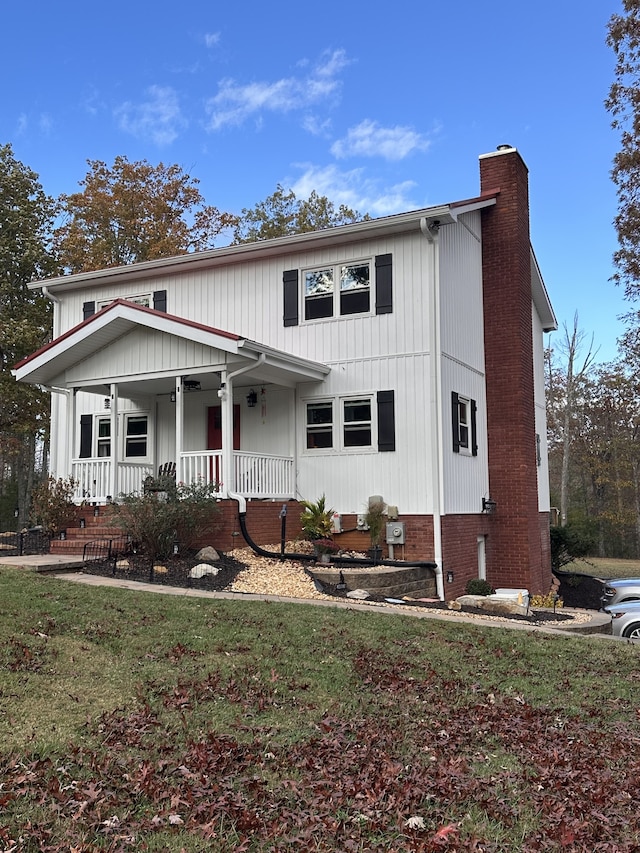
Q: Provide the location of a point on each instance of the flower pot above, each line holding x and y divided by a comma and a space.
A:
375, 553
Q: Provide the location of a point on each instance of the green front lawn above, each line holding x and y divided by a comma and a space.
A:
142, 721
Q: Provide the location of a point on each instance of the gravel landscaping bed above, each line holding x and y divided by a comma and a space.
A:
244, 571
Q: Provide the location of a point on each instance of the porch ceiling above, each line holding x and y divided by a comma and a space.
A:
83, 356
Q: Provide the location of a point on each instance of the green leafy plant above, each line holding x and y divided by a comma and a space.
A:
155, 523
478, 586
52, 504
315, 518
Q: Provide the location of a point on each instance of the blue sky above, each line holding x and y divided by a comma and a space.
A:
385, 108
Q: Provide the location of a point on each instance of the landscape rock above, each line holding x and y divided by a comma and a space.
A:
208, 554
493, 604
203, 569
359, 593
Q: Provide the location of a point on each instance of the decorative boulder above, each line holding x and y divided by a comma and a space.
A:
203, 569
208, 554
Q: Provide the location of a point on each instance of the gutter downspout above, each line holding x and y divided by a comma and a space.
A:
226, 399
430, 230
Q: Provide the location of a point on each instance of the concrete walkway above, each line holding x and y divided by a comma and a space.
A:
69, 568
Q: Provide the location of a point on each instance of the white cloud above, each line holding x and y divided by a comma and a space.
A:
355, 190
236, 102
369, 139
45, 123
22, 125
211, 39
159, 118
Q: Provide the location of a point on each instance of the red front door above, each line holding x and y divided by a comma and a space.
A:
214, 435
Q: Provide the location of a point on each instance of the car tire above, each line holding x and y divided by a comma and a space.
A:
632, 632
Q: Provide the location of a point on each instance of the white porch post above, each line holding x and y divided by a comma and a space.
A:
226, 420
179, 430
71, 416
113, 474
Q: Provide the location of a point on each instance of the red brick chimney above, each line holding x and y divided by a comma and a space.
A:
520, 533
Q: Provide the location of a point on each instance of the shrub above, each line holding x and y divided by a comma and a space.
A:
154, 524
477, 586
52, 504
568, 544
375, 520
315, 519
551, 599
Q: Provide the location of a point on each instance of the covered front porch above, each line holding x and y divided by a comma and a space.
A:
137, 393
255, 475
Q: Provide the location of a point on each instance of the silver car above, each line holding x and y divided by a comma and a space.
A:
625, 619
620, 589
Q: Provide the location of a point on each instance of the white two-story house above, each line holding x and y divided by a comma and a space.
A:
400, 357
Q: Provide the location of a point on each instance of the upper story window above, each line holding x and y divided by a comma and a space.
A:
463, 424
141, 299
156, 300
337, 290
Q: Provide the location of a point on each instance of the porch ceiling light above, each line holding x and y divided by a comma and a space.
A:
191, 385
252, 399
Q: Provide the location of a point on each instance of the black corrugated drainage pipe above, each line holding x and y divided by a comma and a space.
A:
347, 561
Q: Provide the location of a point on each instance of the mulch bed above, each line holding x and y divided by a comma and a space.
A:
583, 591
140, 568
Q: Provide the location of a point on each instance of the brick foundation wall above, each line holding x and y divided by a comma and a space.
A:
460, 550
518, 555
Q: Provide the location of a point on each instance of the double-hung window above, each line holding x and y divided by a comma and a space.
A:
463, 424
320, 425
136, 435
357, 422
337, 290
351, 423
104, 438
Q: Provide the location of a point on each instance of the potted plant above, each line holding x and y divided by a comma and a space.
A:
375, 518
316, 519
323, 548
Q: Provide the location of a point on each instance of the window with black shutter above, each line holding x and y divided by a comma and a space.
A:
463, 425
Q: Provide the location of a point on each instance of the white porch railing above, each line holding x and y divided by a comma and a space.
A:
94, 479
257, 475
261, 475
203, 465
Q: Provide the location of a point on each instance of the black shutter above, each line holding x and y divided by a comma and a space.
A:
160, 300
88, 309
455, 422
474, 440
86, 435
290, 285
386, 421
384, 284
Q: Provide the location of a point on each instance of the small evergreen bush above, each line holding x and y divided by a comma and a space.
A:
477, 586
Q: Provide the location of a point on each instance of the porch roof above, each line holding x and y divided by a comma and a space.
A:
55, 363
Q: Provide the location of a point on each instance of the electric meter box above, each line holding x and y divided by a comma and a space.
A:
395, 533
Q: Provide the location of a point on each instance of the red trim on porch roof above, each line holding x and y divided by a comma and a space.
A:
192, 324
